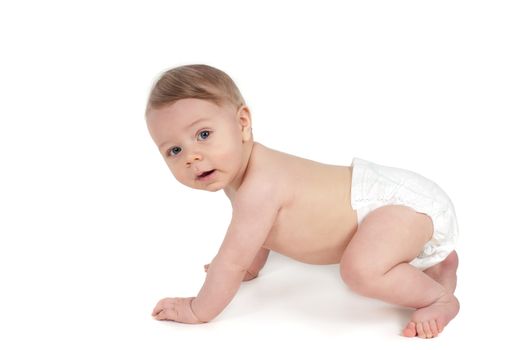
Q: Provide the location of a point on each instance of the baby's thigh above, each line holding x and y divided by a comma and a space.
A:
386, 237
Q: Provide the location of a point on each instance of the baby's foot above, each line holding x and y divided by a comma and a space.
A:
445, 272
429, 321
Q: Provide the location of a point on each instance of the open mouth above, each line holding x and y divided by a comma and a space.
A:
205, 174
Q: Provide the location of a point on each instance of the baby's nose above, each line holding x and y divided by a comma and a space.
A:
193, 157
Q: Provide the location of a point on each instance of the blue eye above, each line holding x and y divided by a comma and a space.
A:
203, 135
174, 150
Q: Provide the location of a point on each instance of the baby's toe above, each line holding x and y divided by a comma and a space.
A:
426, 329
440, 326
433, 328
420, 330
410, 331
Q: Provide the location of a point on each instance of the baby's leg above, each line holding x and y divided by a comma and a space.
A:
445, 273
376, 264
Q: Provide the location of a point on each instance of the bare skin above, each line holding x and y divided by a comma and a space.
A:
445, 274
299, 208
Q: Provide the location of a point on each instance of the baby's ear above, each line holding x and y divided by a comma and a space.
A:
245, 122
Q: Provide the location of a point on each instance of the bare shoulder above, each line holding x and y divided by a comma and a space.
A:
263, 179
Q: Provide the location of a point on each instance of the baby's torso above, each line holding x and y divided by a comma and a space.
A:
316, 221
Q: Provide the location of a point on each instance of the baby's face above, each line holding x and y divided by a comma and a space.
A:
201, 142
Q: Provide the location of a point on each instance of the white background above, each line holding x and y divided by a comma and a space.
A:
94, 230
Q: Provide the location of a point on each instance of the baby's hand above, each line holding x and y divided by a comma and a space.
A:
248, 276
175, 309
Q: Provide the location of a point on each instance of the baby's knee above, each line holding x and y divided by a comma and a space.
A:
357, 276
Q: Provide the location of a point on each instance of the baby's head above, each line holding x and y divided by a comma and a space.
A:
199, 121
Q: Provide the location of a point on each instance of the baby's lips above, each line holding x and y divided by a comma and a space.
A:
200, 174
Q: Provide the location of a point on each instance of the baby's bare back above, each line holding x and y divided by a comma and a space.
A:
316, 221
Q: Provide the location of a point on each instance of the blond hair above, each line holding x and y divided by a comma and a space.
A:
194, 81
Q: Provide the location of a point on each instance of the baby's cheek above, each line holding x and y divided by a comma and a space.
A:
232, 153
177, 174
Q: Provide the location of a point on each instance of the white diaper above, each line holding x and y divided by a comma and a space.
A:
374, 186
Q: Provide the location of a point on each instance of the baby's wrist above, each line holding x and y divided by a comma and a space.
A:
197, 320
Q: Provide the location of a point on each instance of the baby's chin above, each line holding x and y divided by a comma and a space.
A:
215, 189
208, 188
211, 188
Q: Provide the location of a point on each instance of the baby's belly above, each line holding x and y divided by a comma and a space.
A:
314, 240
316, 221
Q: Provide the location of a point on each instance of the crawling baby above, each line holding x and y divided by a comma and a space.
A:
391, 230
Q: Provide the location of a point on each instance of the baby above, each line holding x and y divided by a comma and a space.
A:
391, 230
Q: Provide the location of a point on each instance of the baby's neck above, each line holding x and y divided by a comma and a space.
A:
230, 193
232, 188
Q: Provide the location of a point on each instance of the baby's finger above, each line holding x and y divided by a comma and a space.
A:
159, 306
156, 311
160, 316
171, 314
168, 314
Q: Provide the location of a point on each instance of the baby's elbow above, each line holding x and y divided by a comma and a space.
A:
231, 265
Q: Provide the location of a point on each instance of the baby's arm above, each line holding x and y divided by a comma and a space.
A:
254, 213
256, 266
